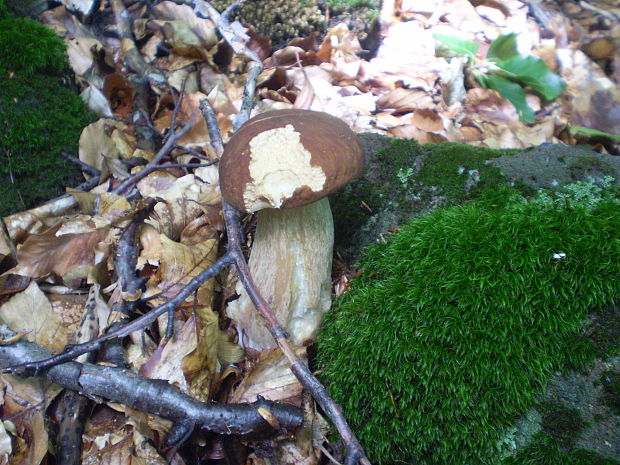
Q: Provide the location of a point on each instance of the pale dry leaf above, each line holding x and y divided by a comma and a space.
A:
271, 378
96, 101
183, 201
151, 252
31, 312
5, 445
203, 28
80, 52
180, 263
95, 143
6, 244
69, 308
166, 363
201, 365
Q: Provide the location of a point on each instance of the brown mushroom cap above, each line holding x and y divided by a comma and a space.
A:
288, 158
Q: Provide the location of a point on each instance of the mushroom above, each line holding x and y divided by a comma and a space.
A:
283, 164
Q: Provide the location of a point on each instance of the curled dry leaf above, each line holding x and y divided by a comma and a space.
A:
165, 362
69, 256
81, 52
96, 143
120, 93
403, 100
181, 199
200, 365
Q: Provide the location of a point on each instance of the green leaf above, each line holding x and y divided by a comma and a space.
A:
534, 72
511, 91
580, 130
503, 48
458, 46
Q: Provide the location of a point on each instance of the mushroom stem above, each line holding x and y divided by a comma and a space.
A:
290, 264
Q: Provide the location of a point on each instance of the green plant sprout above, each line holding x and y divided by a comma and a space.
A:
507, 71
582, 131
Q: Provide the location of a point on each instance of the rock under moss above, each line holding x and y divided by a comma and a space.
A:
459, 321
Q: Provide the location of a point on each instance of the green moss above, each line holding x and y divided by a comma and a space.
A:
611, 390
563, 423
280, 20
546, 450
339, 6
29, 47
39, 115
590, 166
458, 322
455, 168
405, 179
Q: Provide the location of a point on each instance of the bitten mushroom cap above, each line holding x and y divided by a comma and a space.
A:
288, 158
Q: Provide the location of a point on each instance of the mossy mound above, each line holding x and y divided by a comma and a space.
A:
458, 322
279, 20
40, 116
404, 179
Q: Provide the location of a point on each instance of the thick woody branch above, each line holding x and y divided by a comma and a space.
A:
153, 396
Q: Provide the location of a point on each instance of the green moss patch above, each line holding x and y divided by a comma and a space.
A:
546, 450
404, 179
39, 114
458, 322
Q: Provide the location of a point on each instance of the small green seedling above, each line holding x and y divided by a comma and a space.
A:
507, 71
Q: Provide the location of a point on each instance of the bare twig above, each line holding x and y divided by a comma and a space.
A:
215, 138
90, 170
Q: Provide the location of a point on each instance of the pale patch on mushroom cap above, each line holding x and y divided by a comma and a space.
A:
279, 165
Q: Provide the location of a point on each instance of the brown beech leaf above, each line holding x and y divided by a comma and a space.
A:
427, 120
42, 254
403, 100
120, 92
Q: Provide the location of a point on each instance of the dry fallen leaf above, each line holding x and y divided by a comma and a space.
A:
31, 312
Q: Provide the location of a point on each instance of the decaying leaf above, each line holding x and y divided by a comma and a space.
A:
31, 312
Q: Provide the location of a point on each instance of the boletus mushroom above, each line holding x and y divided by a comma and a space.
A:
283, 164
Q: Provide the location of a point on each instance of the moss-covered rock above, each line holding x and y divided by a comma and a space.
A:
458, 322
40, 115
546, 450
563, 423
279, 20
404, 179
611, 390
